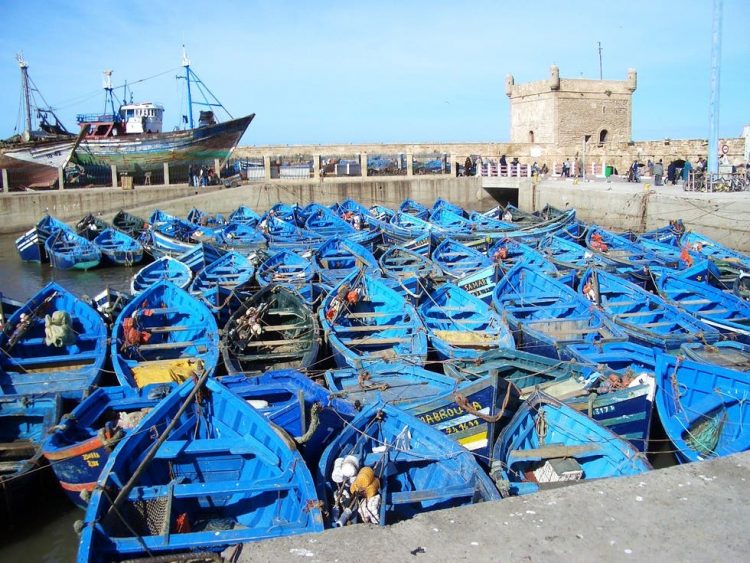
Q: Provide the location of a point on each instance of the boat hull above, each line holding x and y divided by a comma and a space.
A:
36, 165
146, 152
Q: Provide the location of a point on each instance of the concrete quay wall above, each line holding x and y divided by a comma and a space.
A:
695, 512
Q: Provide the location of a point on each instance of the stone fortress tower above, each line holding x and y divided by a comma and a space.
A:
564, 111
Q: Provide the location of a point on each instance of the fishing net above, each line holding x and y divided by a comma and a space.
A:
704, 435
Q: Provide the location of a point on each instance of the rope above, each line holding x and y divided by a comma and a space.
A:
463, 402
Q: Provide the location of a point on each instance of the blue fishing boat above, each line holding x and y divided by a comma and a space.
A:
164, 334
546, 315
461, 325
422, 244
365, 321
285, 211
129, 224
272, 329
55, 343
619, 398
407, 272
290, 269
444, 219
244, 215
569, 255
239, 237
30, 245
215, 468
172, 237
403, 227
441, 203
457, 261
338, 257
200, 256
79, 446
411, 207
547, 443
159, 216
320, 219
508, 253
24, 479
119, 248
729, 262
283, 234
381, 212
395, 383
703, 408
223, 275
622, 250
645, 317
324, 414
163, 269
724, 311
67, 250
387, 466
8, 306
727, 354
202, 219
509, 213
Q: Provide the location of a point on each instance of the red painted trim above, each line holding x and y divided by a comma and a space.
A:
75, 451
78, 487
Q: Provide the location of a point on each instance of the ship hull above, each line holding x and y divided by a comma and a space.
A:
147, 152
35, 165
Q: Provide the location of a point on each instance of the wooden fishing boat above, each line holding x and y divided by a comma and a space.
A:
226, 273
508, 253
403, 227
396, 383
645, 317
569, 255
618, 398
164, 334
547, 443
622, 250
109, 303
172, 237
511, 214
273, 329
129, 224
69, 251
387, 466
163, 269
239, 237
702, 407
407, 272
290, 269
412, 207
741, 286
80, 445
729, 262
119, 248
441, 203
285, 235
422, 244
91, 226
457, 261
546, 315
215, 473
200, 256
381, 212
8, 306
724, 311
338, 257
55, 343
30, 245
727, 354
445, 219
244, 215
365, 321
461, 325
202, 219
324, 413
24, 478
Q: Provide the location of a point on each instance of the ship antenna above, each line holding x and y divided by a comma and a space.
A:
186, 64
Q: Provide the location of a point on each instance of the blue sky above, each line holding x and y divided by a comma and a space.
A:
348, 72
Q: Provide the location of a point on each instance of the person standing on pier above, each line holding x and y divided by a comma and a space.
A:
658, 172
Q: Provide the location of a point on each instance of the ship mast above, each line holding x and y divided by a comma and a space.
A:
26, 95
186, 64
109, 97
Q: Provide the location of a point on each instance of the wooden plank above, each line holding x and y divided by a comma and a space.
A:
260, 343
168, 345
654, 325
284, 327
374, 341
553, 451
19, 447
365, 315
695, 302
367, 328
635, 314
714, 312
619, 303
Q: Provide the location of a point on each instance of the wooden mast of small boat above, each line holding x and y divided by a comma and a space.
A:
26, 95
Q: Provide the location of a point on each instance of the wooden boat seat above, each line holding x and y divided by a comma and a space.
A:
81, 358
635, 314
261, 343
211, 488
408, 497
273, 356
290, 326
620, 303
694, 301
366, 328
164, 311
551, 306
553, 451
367, 314
717, 311
24, 448
374, 341
655, 325
172, 449
172, 345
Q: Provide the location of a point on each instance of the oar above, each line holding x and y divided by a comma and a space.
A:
125, 491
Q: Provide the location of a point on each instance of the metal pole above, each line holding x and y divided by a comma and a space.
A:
713, 122
186, 64
600, 60
26, 97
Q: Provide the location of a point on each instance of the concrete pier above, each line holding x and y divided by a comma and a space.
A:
695, 512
